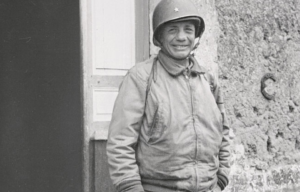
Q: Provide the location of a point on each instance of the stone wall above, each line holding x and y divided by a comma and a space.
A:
260, 37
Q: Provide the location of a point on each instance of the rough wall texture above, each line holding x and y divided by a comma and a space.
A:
259, 37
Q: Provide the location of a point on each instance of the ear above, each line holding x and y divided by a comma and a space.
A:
157, 43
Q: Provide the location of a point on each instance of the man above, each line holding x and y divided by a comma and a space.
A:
168, 131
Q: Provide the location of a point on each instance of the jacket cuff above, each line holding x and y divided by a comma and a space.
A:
222, 182
130, 186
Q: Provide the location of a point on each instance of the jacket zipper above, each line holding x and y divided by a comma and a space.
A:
196, 137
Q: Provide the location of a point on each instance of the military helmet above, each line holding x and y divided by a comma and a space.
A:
173, 11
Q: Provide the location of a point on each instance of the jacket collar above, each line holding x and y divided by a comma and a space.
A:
175, 69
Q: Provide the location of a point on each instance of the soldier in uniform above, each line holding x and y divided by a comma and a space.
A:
168, 130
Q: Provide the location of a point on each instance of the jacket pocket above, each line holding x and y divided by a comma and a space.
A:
154, 118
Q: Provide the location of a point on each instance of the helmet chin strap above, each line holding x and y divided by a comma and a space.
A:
192, 54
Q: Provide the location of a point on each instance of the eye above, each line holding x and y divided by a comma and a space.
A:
190, 29
172, 30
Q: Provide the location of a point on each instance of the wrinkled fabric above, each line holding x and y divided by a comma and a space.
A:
173, 137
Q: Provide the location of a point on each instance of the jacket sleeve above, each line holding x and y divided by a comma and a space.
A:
224, 153
124, 132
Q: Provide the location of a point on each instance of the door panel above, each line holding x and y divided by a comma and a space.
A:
113, 33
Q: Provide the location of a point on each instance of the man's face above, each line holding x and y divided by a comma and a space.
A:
177, 39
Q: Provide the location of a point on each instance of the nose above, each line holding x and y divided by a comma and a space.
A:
181, 35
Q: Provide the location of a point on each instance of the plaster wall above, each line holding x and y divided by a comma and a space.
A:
259, 37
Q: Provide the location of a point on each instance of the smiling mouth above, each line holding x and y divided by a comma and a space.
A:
180, 47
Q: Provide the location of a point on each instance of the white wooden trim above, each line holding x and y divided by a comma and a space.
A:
111, 72
103, 103
84, 39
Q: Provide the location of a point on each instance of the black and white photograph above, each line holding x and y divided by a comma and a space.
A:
150, 96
